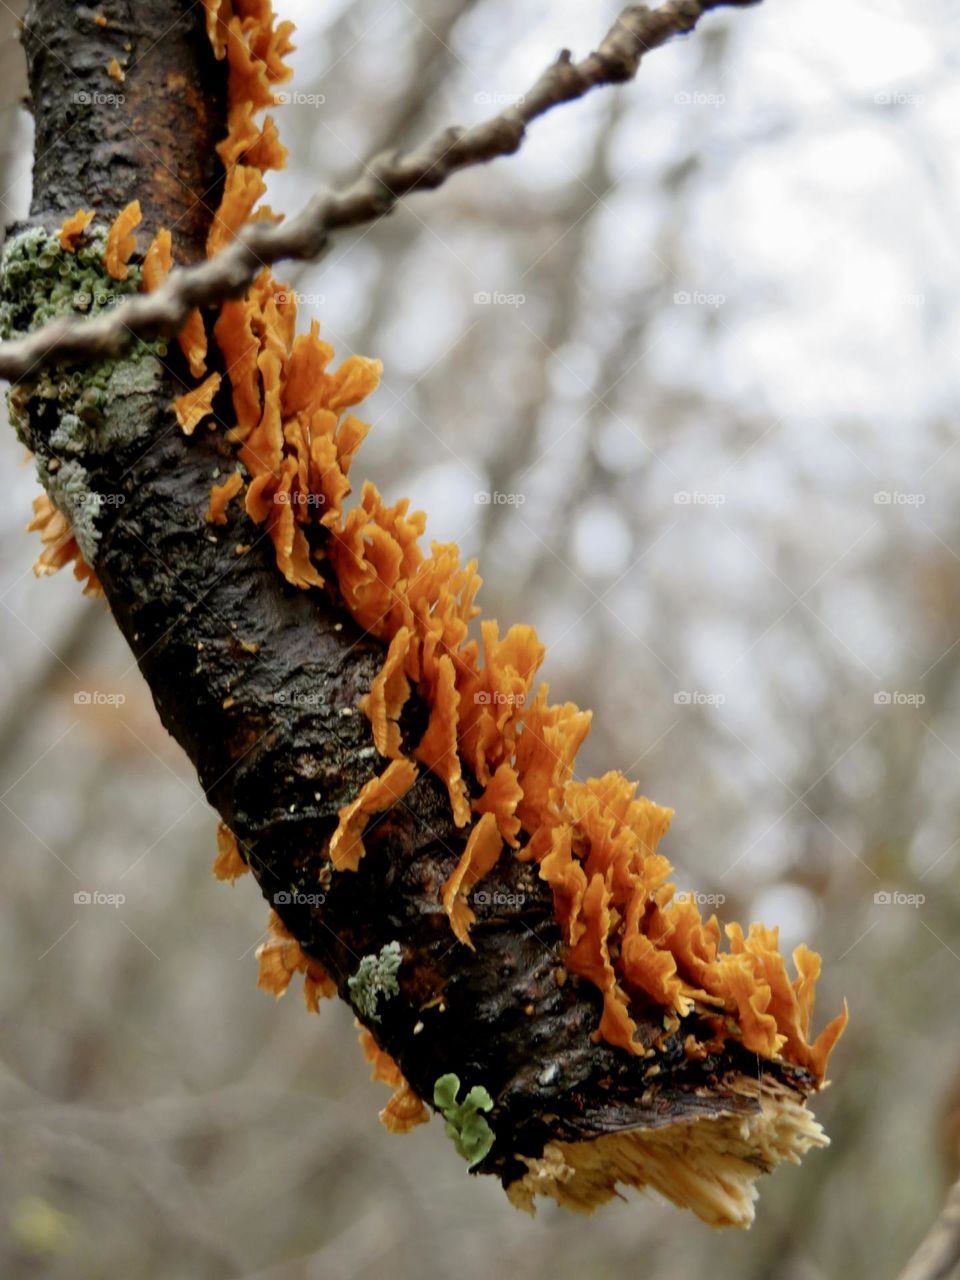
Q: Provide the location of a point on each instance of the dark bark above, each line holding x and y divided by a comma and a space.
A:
259, 682
153, 144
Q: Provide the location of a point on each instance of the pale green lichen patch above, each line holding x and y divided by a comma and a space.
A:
102, 405
111, 408
70, 492
470, 1132
376, 977
98, 407
40, 281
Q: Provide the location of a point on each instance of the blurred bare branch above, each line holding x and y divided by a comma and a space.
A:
939, 1253
386, 180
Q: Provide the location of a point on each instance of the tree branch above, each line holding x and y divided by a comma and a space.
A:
386, 180
939, 1252
260, 683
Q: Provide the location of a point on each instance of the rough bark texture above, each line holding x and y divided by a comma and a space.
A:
259, 682
154, 143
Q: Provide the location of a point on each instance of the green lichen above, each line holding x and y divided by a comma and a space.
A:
69, 488
40, 281
109, 404
471, 1134
376, 976
102, 404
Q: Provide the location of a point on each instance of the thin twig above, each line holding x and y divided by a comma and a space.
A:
385, 181
939, 1253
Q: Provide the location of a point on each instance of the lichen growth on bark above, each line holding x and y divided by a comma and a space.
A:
97, 402
109, 404
40, 281
471, 1134
69, 488
376, 976
96, 408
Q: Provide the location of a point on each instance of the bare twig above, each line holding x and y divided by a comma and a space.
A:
386, 180
939, 1253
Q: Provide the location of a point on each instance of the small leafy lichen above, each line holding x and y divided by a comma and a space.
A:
376, 976
471, 1134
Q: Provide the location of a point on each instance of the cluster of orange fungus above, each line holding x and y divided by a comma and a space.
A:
157, 264
480, 855
244, 32
281, 457
280, 958
229, 863
289, 409
196, 404
387, 697
503, 751
296, 439
121, 241
406, 1109
220, 497
376, 796
60, 547
595, 842
74, 227
297, 443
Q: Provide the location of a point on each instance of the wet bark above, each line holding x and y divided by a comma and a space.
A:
259, 682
